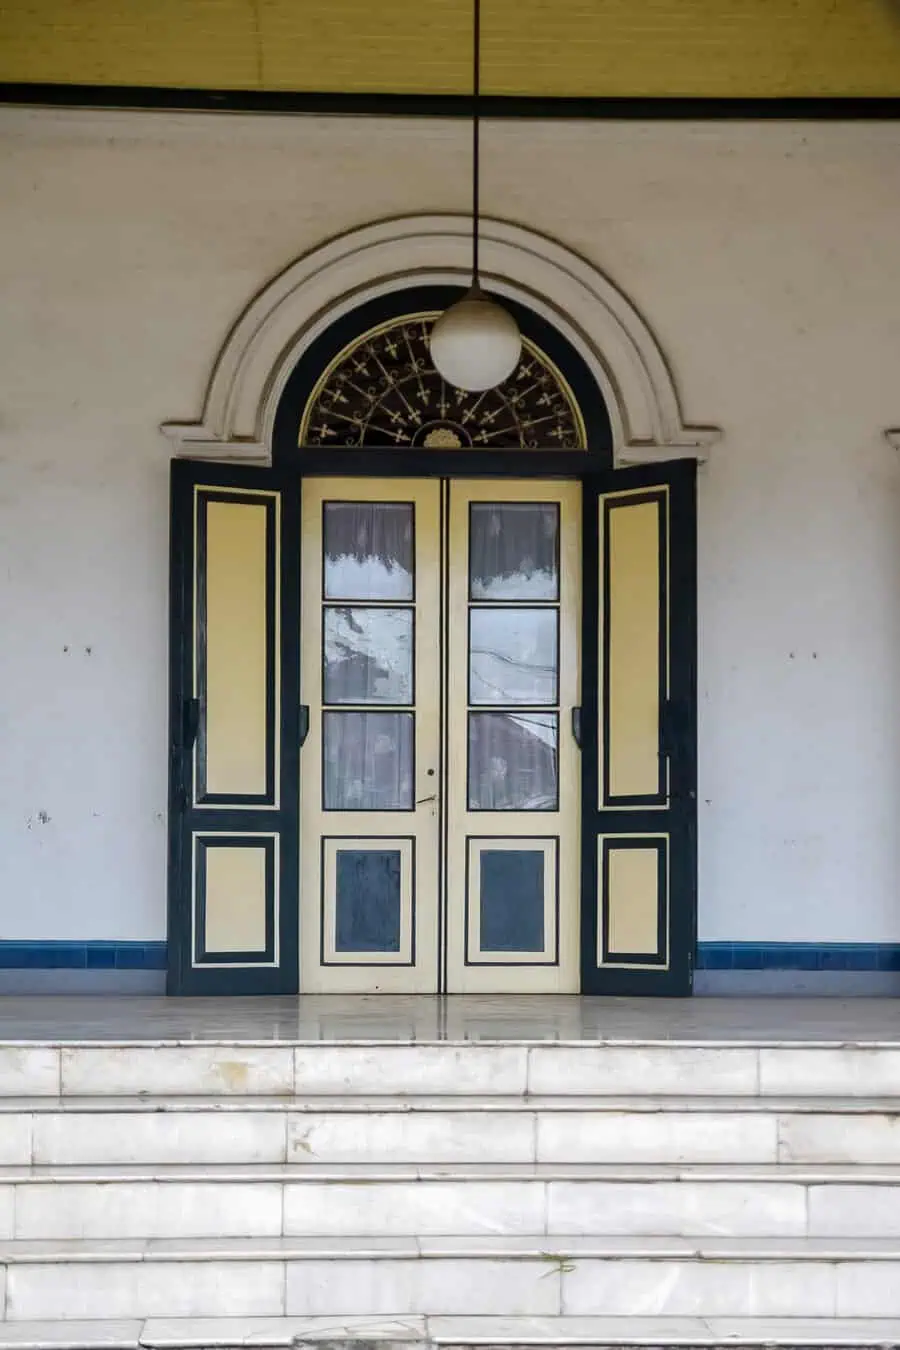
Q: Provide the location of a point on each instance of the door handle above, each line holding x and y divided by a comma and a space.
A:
303, 727
181, 754
576, 726
191, 722
420, 801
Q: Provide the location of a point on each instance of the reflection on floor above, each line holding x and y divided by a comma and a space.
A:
462, 1018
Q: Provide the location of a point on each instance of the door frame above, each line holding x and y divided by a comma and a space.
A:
678, 725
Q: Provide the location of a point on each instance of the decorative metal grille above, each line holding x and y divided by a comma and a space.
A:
383, 391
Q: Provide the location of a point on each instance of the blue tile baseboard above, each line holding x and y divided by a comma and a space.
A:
805, 956
82, 956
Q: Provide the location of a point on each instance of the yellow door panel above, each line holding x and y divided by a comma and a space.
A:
635, 680
236, 906
238, 646
634, 891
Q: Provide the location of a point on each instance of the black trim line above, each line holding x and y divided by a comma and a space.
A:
507, 106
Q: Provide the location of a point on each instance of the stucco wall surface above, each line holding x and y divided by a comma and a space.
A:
764, 257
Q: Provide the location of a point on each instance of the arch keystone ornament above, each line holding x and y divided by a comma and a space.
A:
278, 326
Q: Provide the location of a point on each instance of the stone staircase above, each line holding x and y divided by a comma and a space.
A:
491, 1194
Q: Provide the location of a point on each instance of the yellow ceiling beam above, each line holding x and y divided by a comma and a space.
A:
562, 48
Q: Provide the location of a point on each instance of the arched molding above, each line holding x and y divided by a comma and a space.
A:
298, 305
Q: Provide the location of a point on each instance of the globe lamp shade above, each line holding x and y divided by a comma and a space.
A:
475, 344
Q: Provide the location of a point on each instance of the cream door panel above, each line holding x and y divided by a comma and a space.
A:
513, 774
370, 674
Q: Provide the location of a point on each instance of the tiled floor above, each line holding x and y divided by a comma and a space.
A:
387, 1018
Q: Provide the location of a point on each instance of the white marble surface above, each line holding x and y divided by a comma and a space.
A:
500, 1070
145, 1289
204, 1334
380, 1017
171, 1334
148, 1210
443, 1133
413, 1136
661, 1277
419, 1207
465, 1201
459, 1069
7, 1211
680, 1208
123, 1334
660, 1136
584, 1167
803, 1331
545, 1331
15, 1138
868, 1289
851, 1070
685, 1207
839, 1138
29, 1069
196, 1069
157, 1136
700, 1289
854, 1211
319, 1288
670, 1069
660, 1331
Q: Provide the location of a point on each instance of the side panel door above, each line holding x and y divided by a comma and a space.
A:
639, 732
233, 732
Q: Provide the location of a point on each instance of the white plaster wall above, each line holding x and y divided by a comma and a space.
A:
765, 258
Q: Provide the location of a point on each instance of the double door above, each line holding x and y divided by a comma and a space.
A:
378, 781
440, 777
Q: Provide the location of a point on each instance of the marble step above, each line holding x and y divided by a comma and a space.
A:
270, 1200
488, 1276
61, 1131
545, 1333
450, 1068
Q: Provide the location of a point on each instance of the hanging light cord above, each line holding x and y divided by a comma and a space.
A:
476, 128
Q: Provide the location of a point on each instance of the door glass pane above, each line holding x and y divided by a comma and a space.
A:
368, 551
513, 761
368, 761
512, 655
368, 655
514, 551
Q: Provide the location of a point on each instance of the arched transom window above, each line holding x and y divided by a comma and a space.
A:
383, 391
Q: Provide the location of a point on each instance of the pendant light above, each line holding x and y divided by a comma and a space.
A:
475, 344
